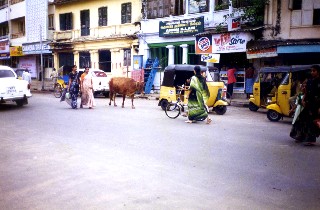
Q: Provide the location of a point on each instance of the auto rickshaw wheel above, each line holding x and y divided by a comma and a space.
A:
164, 103
220, 110
273, 115
253, 107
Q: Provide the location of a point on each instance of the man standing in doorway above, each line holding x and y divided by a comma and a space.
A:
231, 80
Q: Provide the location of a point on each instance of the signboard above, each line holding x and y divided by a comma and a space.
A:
198, 6
35, 48
210, 58
4, 50
181, 27
230, 42
29, 63
234, 24
4, 56
16, 51
262, 53
203, 44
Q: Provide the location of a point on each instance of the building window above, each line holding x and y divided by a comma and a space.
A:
84, 60
127, 57
103, 16
4, 30
3, 3
157, 9
316, 17
296, 4
21, 27
65, 21
126, 13
85, 22
51, 22
47, 61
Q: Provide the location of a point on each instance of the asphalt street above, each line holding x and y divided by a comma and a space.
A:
53, 157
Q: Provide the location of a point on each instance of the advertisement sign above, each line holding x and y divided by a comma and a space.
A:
203, 44
28, 63
16, 51
4, 50
210, 58
234, 24
262, 53
230, 42
198, 6
181, 27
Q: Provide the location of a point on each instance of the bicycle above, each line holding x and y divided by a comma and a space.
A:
173, 109
58, 88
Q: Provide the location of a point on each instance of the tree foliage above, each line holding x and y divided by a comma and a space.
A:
255, 12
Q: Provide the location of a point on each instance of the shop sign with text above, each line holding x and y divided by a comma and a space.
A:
181, 27
262, 53
16, 51
230, 42
35, 48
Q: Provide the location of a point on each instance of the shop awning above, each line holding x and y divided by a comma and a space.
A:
299, 49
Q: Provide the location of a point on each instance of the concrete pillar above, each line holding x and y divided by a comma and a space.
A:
211, 12
184, 53
76, 58
94, 59
114, 59
171, 54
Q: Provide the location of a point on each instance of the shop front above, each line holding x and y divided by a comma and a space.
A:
33, 52
232, 49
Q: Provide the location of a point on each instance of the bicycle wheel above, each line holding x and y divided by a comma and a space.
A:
57, 92
172, 110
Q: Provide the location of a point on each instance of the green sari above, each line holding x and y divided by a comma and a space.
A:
199, 95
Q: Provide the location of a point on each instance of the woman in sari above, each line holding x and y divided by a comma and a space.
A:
74, 86
199, 94
87, 97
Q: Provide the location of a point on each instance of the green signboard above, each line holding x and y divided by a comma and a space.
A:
181, 27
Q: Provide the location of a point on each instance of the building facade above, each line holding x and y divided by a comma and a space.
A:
291, 34
97, 34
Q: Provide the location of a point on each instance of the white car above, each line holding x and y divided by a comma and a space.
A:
100, 81
13, 89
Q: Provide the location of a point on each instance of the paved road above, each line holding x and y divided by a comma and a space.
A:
53, 157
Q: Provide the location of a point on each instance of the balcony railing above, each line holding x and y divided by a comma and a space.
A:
17, 35
98, 32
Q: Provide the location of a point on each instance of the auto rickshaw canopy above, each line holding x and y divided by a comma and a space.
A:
177, 74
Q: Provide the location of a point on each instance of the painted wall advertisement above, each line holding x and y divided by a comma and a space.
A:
230, 42
181, 27
29, 63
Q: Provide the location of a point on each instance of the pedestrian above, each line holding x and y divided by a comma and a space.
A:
306, 130
27, 77
231, 80
74, 86
249, 73
87, 97
198, 96
54, 76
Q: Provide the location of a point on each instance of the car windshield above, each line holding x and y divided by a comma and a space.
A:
100, 74
6, 73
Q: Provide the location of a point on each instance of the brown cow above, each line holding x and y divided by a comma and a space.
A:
125, 87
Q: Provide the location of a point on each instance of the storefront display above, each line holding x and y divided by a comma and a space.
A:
239, 86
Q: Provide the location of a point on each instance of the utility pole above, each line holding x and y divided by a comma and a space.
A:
41, 60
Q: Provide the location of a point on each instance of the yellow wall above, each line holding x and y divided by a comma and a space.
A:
111, 37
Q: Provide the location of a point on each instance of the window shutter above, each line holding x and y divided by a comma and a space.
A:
128, 13
123, 13
62, 19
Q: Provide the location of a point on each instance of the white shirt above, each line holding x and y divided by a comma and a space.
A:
26, 76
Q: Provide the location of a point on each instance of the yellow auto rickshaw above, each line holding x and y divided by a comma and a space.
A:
280, 106
174, 80
265, 87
